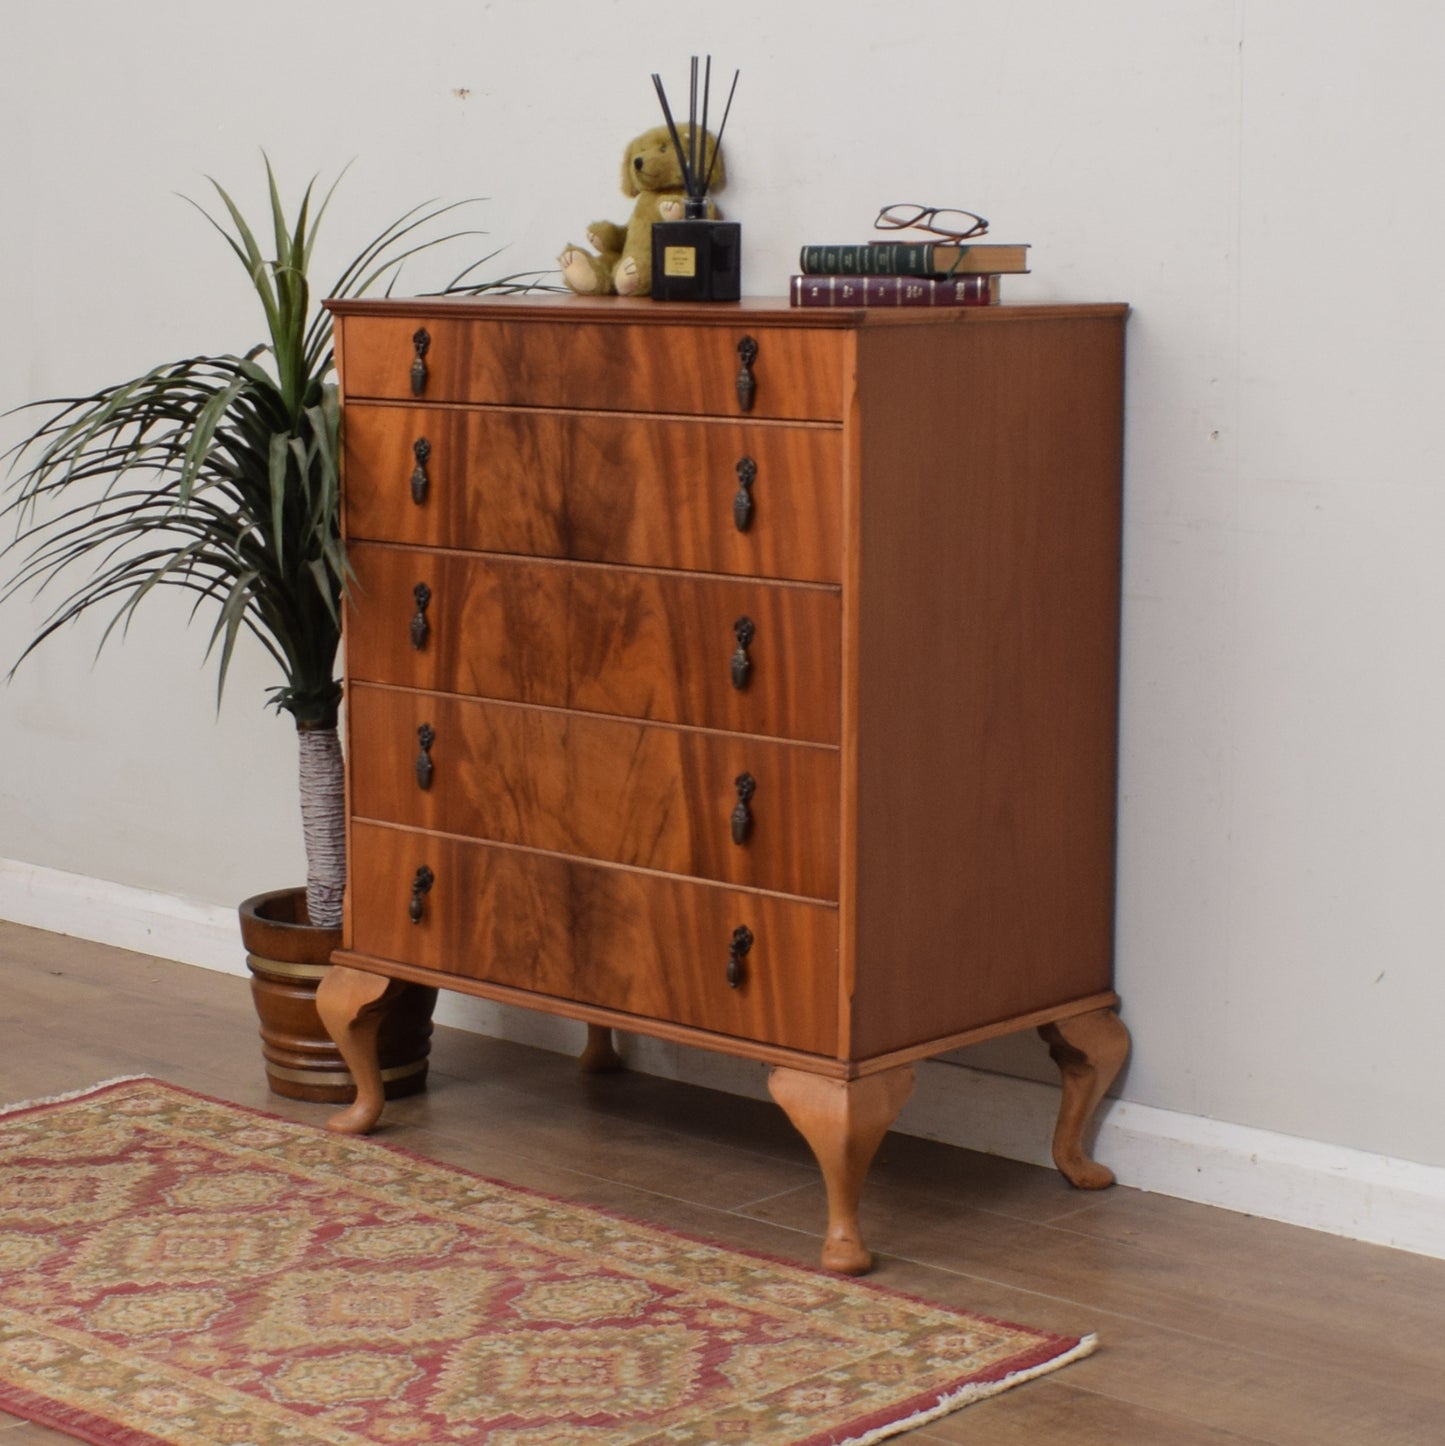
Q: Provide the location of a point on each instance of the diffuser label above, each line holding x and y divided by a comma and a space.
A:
679, 261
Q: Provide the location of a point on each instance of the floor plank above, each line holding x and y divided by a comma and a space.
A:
1215, 1328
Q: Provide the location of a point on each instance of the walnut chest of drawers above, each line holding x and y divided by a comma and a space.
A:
741, 675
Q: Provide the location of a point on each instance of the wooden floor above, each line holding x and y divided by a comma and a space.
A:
1215, 1327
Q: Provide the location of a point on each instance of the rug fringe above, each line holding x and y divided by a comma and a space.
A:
79, 1094
977, 1391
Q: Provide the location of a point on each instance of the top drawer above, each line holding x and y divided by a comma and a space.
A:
797, 373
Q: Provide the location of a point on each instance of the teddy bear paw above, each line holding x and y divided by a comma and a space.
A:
577, 270
670, 210
626, 278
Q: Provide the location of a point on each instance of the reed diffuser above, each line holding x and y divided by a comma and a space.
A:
699, 257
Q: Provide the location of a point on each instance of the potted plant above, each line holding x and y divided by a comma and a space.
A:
220, 474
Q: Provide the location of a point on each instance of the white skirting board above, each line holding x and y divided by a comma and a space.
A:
1304, 1182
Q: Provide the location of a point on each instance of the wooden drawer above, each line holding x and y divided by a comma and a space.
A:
629, 367
647, 945
650, 645
630, 793
599, 488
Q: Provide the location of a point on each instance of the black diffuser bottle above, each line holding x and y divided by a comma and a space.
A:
697, 258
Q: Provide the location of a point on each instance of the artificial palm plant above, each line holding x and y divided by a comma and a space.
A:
219, 474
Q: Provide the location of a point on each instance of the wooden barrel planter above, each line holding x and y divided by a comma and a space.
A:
288, 957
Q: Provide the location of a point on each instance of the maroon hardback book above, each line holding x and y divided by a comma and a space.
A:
893, 291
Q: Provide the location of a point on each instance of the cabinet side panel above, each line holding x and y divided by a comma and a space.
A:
988, 617
340, 336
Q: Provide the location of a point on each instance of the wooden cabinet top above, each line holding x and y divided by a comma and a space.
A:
758, 311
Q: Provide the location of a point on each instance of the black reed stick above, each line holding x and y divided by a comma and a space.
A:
706, 87
717, 143
672, 131
692, 125
693, 155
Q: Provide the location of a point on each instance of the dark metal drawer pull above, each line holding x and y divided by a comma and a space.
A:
742, 941
426, 736
420, 885
743, 501
421, 344
742, 664
420, 628
420, 482
742, 818
746, 383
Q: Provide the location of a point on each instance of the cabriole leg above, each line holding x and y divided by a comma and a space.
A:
1090, 1050
844, 1122
352, 1005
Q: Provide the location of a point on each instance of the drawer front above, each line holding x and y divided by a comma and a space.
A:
798, 372
732, 497
655, 947
648, 645
630, 793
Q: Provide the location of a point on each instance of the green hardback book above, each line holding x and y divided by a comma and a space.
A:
914, 258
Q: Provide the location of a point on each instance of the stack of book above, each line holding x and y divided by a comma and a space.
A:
904, 273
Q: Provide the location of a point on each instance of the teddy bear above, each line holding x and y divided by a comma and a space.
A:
652, 173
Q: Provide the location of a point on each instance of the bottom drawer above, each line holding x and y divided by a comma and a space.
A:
655, 947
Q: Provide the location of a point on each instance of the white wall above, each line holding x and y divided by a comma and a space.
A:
1259, 178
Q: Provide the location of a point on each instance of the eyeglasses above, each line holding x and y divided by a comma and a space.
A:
939, 221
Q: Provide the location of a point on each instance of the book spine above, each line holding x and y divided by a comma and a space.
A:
873, 258
892, 291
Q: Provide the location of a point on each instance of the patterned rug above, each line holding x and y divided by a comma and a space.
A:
177, 1270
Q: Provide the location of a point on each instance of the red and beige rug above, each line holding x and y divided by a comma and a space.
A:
177, 1270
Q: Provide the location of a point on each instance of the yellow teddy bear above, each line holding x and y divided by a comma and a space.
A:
652, 173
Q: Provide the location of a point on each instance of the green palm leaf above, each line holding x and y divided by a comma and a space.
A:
217, 474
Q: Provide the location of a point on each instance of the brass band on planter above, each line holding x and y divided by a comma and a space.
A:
342, 1076
281, 969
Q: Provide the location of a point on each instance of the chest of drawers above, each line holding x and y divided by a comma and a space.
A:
738, 675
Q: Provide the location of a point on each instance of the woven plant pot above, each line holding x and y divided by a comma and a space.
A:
288, 957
